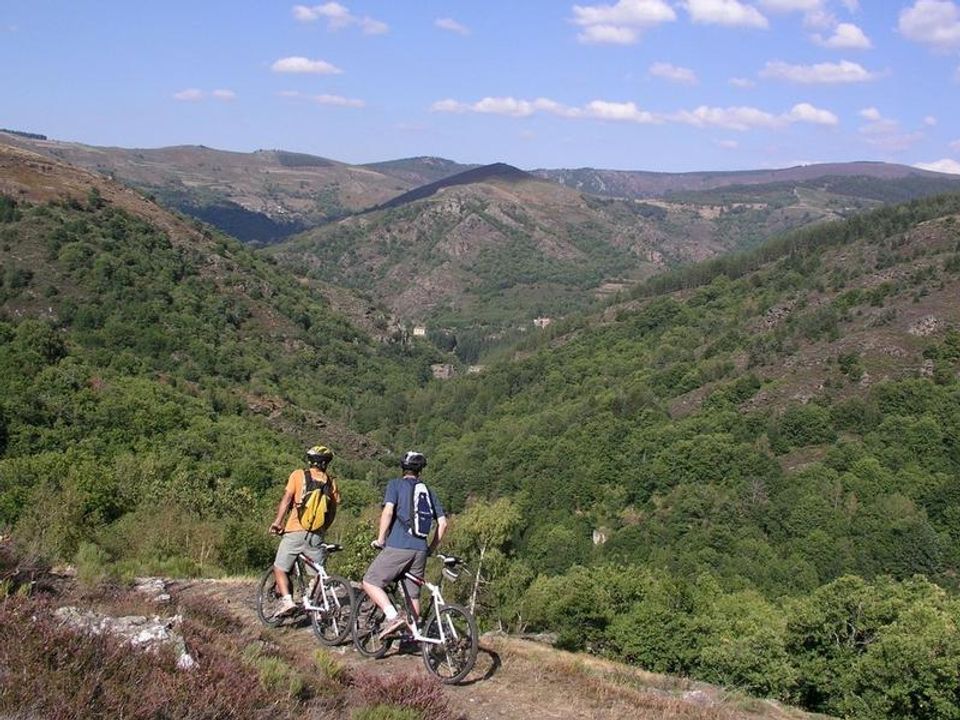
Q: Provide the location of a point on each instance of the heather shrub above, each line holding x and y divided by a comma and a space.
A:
417, 695
56, 673
386, 712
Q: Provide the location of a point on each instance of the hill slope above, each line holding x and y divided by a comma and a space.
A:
151, 368
260, 196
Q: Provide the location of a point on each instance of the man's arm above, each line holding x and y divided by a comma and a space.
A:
438, 535
277, 525
386, 518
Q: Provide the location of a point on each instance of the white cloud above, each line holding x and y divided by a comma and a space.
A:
930, 121
608, 35
339, 101
792, 5
742, 82
305, 65
730, 118
189, 95
451, 25
731, 13
506, 106
605, 110
805, 112
728, 144
682, 75
845, 36
942, 166
886, 133
223, 94
822, 73
621, 23
338, 17
851, 5
932, 22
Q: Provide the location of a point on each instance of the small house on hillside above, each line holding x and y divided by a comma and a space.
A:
443, 371
542, 322
419, 331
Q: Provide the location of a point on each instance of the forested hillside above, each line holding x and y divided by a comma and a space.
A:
159, 380
749, 473
746, 471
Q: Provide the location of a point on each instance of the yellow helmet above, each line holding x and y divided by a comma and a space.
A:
319, 455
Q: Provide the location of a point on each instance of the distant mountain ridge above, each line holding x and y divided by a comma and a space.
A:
645, 184
483, 174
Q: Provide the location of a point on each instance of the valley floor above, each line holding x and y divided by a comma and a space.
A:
516, 678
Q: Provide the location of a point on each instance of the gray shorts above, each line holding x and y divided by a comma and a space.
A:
294, 543
391, 563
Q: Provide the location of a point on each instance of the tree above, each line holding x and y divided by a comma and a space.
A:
484, 527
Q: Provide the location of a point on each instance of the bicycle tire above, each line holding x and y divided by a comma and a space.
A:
268, 599
367, 621
334, 625
451, 661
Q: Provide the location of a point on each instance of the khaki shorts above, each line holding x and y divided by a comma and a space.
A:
294, 543
392, 563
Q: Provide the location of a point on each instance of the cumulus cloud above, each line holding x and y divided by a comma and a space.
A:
729, 118
621, 23
822, 73
805, 112
605, 110
930, 121
451, 25
189, 95
731, 13
682, 75
224, 94
792, 5
298, 64
886, 133
932, 22
740, 82
846, 36
506, 106
338, 17
942, 166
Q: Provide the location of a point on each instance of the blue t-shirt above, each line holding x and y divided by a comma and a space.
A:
400, 493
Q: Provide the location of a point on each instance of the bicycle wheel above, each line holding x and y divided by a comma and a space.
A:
453, 659
367, 621
268, 600
332, 624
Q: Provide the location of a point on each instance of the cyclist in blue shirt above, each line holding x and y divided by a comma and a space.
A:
402, 548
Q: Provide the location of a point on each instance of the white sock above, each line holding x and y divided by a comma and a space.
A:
287, 597
391, 612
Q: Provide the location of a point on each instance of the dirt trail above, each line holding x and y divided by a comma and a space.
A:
517, 678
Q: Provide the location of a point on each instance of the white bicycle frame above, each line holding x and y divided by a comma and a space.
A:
321, 576
438, 603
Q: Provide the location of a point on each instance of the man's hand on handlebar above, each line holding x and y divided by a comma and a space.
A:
276, 529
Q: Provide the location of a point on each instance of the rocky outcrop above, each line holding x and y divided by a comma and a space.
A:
138, 631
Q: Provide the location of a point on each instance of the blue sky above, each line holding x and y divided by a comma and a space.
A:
659, 85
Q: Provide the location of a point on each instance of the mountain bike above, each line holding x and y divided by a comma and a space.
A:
328, 600
449, 641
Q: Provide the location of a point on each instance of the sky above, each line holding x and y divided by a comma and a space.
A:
657, 85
